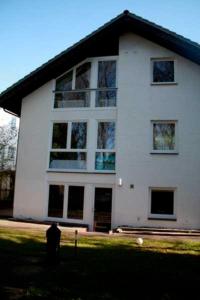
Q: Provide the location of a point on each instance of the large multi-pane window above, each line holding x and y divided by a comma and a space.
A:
164, 136
68, 149
69, 93
74, 201
75, 89
105, 152
106, 84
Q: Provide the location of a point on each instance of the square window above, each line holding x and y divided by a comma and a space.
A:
164, 136
163, 71
107, 74
162, 202
105, 161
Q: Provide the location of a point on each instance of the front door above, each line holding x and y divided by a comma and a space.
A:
102, 209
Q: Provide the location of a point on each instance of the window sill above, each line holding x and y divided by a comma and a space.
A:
162, 219
81, 172
164, 152
164, 83
84, 108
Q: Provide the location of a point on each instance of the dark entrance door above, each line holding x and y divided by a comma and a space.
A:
102, 209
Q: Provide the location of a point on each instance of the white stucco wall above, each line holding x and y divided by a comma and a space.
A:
139, 102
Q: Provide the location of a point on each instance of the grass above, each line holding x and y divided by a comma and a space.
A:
106, 267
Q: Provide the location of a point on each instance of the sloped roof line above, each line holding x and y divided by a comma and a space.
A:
125, 13
11, 98
61, 54
176, 35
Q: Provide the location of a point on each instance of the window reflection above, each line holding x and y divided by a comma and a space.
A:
106, 135
107, 74
83, 76
163, 71
164, 136
78, 135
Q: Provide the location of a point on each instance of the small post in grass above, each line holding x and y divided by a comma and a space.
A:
76, 242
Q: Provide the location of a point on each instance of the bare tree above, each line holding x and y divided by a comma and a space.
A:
8, 145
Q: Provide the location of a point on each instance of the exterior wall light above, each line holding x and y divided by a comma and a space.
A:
120, 182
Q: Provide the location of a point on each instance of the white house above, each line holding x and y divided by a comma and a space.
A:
110, 130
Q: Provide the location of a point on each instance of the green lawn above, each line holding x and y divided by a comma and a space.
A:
106, 267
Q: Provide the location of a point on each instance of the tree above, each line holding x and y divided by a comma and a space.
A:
8, 145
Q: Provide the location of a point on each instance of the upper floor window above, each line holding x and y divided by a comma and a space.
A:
105, 152
106, 84
163, 71
72, 92
68, 146
164, 137
91, 84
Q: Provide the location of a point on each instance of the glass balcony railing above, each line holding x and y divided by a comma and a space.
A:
106, 97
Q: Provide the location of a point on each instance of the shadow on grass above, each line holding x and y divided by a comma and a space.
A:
101, 272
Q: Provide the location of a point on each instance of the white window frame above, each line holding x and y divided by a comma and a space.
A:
68, 145
175, 70
165, 217
65, 202
93, 84
174, 151
104, 150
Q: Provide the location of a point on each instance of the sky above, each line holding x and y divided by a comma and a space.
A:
34, 31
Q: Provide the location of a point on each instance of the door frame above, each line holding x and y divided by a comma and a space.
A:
103, 186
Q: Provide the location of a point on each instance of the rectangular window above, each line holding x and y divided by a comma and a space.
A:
164, 136
163, 71
75, 202
107, 74
162, 203
68, 160
56, 198
105, 153
83, 76
107, 82
68, 153
106, 135
72, 99
59, 139
78, 135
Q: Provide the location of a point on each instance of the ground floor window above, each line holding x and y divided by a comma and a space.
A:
162, 203
75, 202
56, 199
59, 198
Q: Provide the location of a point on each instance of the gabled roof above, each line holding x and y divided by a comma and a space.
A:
103, 41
